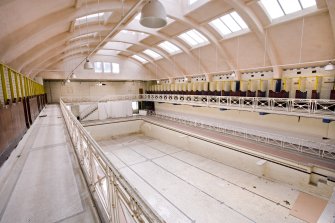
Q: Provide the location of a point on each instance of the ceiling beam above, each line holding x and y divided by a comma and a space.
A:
331, 10
78, 4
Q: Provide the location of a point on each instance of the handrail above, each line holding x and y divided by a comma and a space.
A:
113, 192
15, 86
87, 111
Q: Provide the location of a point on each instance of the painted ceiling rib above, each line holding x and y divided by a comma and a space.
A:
113, 31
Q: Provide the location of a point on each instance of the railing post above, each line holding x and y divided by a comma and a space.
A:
11, 86
3, 82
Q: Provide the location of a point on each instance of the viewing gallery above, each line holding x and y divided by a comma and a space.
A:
167, 111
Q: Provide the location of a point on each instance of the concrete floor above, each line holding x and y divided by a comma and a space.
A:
185, 187
41, 181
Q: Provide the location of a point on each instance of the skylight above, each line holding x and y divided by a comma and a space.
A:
141, 59
89, 18
83, 36
117, 45
228, 24
137, 35
152, 54
108, 52
190, 2
106, 67
280, 8
193, 38
169, 47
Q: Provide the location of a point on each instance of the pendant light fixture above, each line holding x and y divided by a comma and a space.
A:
88, 65
153, 15
329, 67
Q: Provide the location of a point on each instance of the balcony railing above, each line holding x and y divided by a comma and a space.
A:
321, 149
117, 199
320, 108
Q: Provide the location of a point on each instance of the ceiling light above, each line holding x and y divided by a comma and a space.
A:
158, 81
330, 67
73, 75
68, 81
88, 65
153, 15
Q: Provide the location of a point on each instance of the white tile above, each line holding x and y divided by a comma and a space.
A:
275, 191
128, 156
165, 148
199, 206
115, 161
162, 206
232, 195
147, 151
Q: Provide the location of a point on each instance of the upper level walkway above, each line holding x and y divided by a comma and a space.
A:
42, 181
315, 108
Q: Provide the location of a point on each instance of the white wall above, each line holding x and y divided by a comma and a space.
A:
57, 89
129, 69
294, 124
107, 131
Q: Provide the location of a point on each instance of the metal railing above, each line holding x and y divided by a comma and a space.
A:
297, 144
318, 108
118, 199
321, 108
87, 111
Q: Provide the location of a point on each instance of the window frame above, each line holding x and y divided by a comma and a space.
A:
139, 59
172, 50
225, 29
115, 67
153, 54
188, 38
284, 14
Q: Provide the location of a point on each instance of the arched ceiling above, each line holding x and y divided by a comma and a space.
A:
39, 35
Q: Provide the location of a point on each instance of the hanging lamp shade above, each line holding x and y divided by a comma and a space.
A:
153, 15
88, 65
73, 75
330, 67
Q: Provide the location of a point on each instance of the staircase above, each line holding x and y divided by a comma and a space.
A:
88, 111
